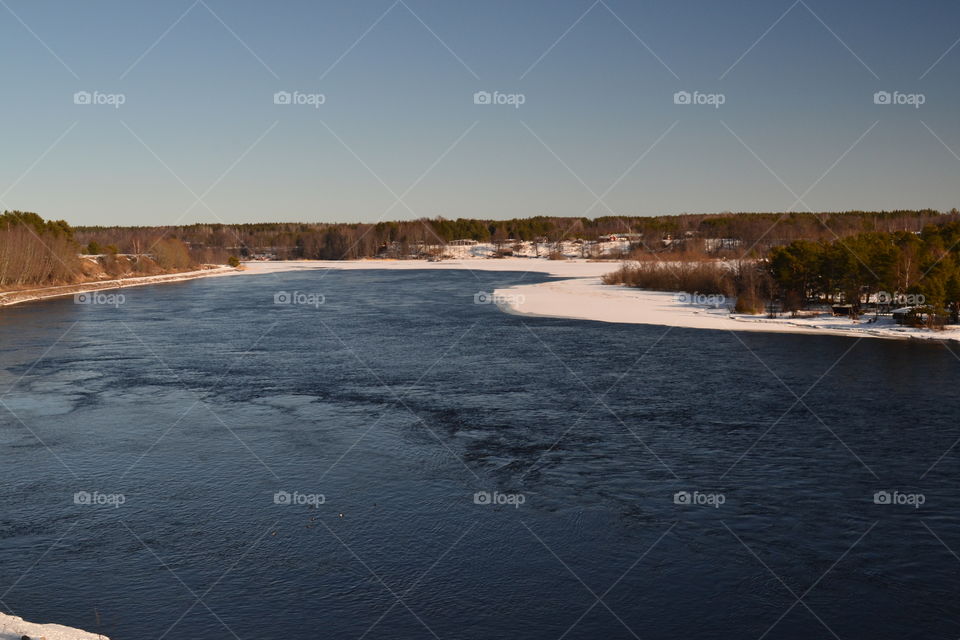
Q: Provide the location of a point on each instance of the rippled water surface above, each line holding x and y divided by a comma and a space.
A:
397, 400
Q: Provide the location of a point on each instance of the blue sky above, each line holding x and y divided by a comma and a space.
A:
199, 137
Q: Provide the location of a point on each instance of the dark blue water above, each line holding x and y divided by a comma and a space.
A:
398, 399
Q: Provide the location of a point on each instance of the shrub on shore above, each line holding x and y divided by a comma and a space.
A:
701, 277
744, 280
172, 255
748, 302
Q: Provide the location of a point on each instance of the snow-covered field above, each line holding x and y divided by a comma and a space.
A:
582, 295
14, 628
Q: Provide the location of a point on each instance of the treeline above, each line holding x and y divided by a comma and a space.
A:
867, 267
804, 256
750, 233
35, 251
38, 252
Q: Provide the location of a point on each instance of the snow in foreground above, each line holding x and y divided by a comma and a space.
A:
14, 628
582, 295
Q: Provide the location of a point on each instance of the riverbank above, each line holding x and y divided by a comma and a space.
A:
589, 299
8, 298
14, 628
578, 293
581, 295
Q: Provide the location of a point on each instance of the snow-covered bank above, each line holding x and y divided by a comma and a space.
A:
14, 628
30, 295
582, 296
590, 299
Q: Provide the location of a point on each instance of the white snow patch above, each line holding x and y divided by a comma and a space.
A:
14, 628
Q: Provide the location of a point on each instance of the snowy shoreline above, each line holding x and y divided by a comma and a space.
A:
577, 294
590, 299
581, 295
9, 298
15, 628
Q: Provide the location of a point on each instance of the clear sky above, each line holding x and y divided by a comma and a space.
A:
199, 138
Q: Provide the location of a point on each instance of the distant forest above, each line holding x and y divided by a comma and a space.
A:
756, 233
36, 252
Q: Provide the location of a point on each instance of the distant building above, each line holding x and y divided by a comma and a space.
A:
900, 315
621, 237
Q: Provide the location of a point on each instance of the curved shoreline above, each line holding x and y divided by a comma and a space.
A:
590, 299
9, 298
579, 294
